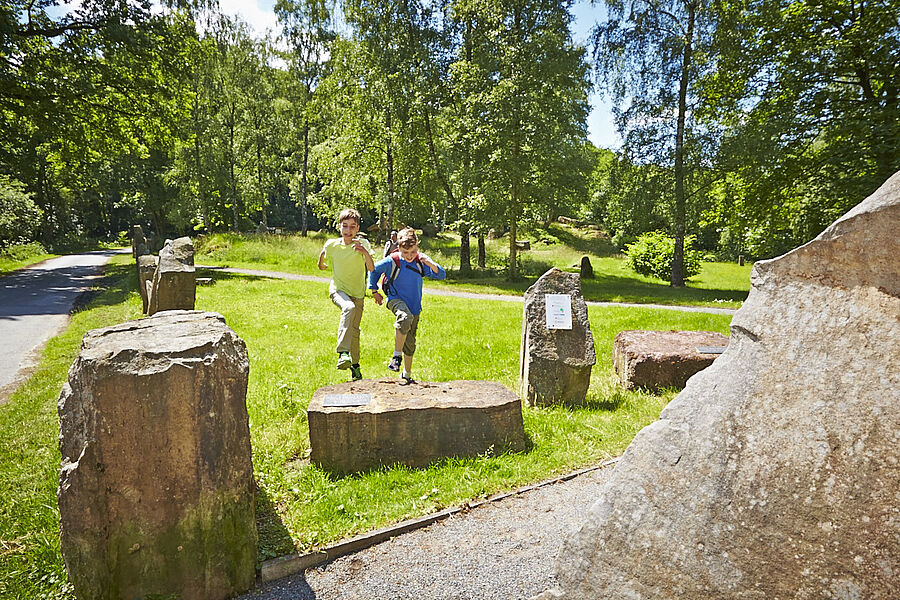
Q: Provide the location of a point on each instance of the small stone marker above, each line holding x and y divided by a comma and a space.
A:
557, 345
658, 359
586, 270
174, 283
361, 425
139, 246
156, 490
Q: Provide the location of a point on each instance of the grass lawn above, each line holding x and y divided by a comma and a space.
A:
718, 284
289, 328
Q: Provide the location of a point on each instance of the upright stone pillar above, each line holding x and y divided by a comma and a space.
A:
146, 265
156, 491
174, 282
555, 363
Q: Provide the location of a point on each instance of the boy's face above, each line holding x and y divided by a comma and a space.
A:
408, 250
349, 228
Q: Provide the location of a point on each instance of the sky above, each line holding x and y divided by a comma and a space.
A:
259, 14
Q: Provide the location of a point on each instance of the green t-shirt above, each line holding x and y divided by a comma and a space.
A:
348, 267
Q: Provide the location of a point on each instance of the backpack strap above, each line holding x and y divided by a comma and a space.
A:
395, 270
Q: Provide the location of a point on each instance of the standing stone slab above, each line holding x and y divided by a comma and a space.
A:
156, 491
146, 265
659, 359
174, 283
775, 473
373, 423
555, 364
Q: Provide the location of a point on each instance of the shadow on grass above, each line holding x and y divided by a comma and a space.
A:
216, 274
609, 403
115, 286
274, 538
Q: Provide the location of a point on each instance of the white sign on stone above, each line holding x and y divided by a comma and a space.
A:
559, 311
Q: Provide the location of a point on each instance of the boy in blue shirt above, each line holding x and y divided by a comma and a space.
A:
403, 272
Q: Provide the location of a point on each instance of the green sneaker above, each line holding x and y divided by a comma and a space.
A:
344, 360
355, 372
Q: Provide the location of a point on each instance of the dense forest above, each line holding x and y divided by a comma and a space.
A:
746, 125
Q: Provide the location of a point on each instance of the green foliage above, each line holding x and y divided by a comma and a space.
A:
19, 217
652, 255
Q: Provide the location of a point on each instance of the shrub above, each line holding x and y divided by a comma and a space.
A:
651, 255
19, 217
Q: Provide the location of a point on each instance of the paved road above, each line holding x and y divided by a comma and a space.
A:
445, 292
35, 305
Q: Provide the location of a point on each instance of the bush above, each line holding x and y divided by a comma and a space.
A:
19, 217
651, 255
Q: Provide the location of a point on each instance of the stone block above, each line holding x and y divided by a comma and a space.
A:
413, 424
156, 490
775, 473
174, 283
139, 246
146, 265
658, 359
555, 364
586, 270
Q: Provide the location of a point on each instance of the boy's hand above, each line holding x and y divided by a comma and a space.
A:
322, 266
425, 260
359, 247
376, 295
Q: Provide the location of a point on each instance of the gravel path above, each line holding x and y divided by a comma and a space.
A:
443, 292
503, 550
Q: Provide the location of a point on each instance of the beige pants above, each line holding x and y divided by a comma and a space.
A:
348, 326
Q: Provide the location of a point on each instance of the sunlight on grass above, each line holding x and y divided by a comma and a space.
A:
562, 246
289, 328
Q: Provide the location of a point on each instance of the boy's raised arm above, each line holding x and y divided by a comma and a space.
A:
322, 265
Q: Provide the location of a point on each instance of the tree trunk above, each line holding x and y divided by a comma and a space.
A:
231, 159
304, 220
481, 251
259, 182
465, 252
386, 227
678, 258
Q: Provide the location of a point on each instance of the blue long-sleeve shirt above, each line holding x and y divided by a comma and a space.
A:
407, 286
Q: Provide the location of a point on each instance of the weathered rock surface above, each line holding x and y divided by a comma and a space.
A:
412, 424
174, 283
555, 364
658, 359
146, 265
156, 490
775, 473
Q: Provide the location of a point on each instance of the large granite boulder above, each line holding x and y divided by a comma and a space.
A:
370, 423
174, 282
658, 359
775, 473
156, 489
555, 364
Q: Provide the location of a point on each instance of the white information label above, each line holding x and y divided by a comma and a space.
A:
559, 311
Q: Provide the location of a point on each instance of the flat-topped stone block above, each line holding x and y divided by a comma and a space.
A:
658, 359
365, 424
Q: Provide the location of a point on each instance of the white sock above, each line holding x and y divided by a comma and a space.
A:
407, 374
396, 355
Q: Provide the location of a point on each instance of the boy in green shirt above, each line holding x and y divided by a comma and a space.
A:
350, 257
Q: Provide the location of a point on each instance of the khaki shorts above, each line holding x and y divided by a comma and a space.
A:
406, 323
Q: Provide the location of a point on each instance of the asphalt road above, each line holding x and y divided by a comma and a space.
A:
35, 305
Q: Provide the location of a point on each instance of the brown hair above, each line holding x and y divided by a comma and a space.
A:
407, 234
349, 213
